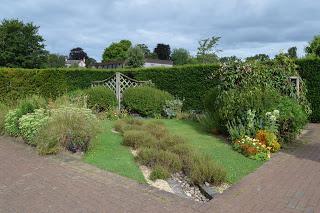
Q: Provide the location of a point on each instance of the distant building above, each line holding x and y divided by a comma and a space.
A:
121, 64
108, 65
75, 63
157, 63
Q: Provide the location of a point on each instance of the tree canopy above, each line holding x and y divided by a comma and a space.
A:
145, 49
313, 49
116, 51
78, 54
259, 57
180, 56
292, 52
163, 51
135, 57
207, 52
55, 61
21, 45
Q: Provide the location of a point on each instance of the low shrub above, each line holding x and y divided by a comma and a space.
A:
30, 124
173, 108
25, 106
138, 138
4, 109
68, 127
204, 169
159, 172
152, 157
101, 98
146, 101
11, 123
292, 119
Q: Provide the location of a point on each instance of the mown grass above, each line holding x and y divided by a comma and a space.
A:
108, 153
236, 165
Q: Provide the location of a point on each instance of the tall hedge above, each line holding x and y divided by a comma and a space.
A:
309, 69
186, 82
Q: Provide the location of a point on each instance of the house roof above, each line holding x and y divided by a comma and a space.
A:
108, 63
73, 61
158, 61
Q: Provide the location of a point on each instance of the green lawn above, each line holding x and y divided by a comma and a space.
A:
236, 165
108, 153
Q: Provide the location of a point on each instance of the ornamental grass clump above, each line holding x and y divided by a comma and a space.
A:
152, 157
159, 172
68, 128
138, 138
165, 153
204, 169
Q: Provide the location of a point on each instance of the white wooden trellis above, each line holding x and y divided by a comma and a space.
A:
118, 83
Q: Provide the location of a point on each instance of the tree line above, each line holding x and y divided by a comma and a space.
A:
21, 45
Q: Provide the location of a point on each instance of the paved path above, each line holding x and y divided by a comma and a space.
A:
289, 182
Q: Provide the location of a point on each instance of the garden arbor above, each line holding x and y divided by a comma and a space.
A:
119, 83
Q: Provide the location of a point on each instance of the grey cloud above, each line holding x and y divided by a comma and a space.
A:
247, 27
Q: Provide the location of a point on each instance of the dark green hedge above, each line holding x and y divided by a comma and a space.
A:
309, 69
186, 82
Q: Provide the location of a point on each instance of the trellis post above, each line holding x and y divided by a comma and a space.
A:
118, 83
118, 90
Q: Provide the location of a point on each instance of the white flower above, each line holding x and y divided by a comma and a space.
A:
268, 114
276, 113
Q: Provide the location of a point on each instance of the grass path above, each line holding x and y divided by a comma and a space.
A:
236, 165
109, 154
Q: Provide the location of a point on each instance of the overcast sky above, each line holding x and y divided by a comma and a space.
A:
246, 27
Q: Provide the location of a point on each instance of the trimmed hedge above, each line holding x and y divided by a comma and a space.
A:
146, 101
186, 82
101, 98
310, 73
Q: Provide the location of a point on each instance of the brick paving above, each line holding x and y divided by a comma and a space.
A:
289, 182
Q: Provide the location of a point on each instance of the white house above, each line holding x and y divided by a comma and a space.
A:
121, 64
75, 63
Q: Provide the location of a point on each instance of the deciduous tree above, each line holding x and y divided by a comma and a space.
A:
116, 51
21, 45
313, 49
135, 57
180, 56
163, 51
78, 54
55, 61
207, 52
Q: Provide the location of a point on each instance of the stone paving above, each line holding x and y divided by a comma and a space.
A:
289, 182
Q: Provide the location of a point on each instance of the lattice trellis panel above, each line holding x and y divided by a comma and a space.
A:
119, 83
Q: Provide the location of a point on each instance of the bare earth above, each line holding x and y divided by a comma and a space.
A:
289, 182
